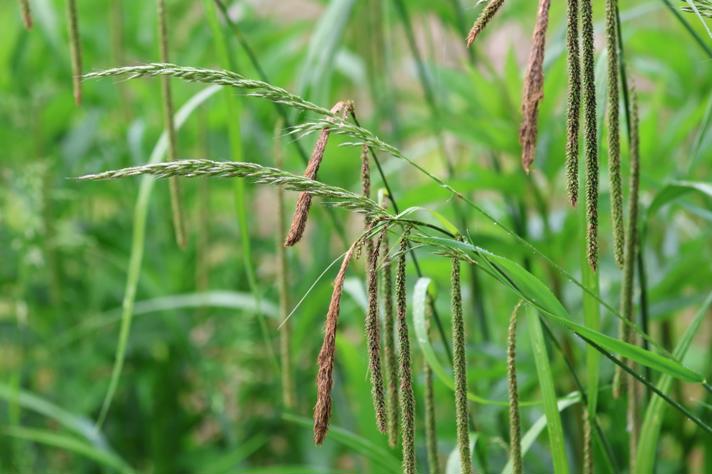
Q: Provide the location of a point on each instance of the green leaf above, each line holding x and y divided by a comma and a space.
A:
420, 324
378, 455
69, 443
650, 429
529, 287
557, 444
536, 429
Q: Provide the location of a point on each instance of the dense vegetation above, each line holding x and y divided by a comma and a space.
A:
494, 270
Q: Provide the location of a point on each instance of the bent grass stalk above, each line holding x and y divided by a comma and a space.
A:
533, 87
325, 361
178, 226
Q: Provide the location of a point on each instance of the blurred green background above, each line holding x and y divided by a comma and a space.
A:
200, 389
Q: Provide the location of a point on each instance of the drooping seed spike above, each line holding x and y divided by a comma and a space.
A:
431, 438
515, 442
75, 50
614, 152
173, 185
587, 446
460, 370
574, 100
26, 13
590, 135
325, 361
533, 87
373, 337
407, 397
301, 212
487, 14
389, 347
626, 305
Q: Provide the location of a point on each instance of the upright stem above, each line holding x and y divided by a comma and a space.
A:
178, 227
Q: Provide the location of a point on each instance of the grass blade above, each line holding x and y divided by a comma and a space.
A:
137, 245
650, 429
536, 429
68, 443
546, 384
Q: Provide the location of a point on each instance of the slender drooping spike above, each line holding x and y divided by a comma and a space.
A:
431, 437
487, 14
301, 212
407, 397
75, 50
587, 447
389, 346
533, 87
26, 13
515, 442
574, 100
373, 336
173, 186
460, 369
325, 361
629, 256
626, 303
285, 332
614, 147
590, 135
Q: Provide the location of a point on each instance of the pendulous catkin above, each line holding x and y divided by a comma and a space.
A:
460, 369
178, 227
285, 332
26, 13
431, 438
301, 212
75, 50
325, 361
574, 100
533, 87
614, 147
407, 397
587, 454
389, 348
515, 442
373, 336
487, 14
590, 135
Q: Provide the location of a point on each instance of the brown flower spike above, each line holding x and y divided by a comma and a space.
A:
533, 87
325, 374
301, 212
